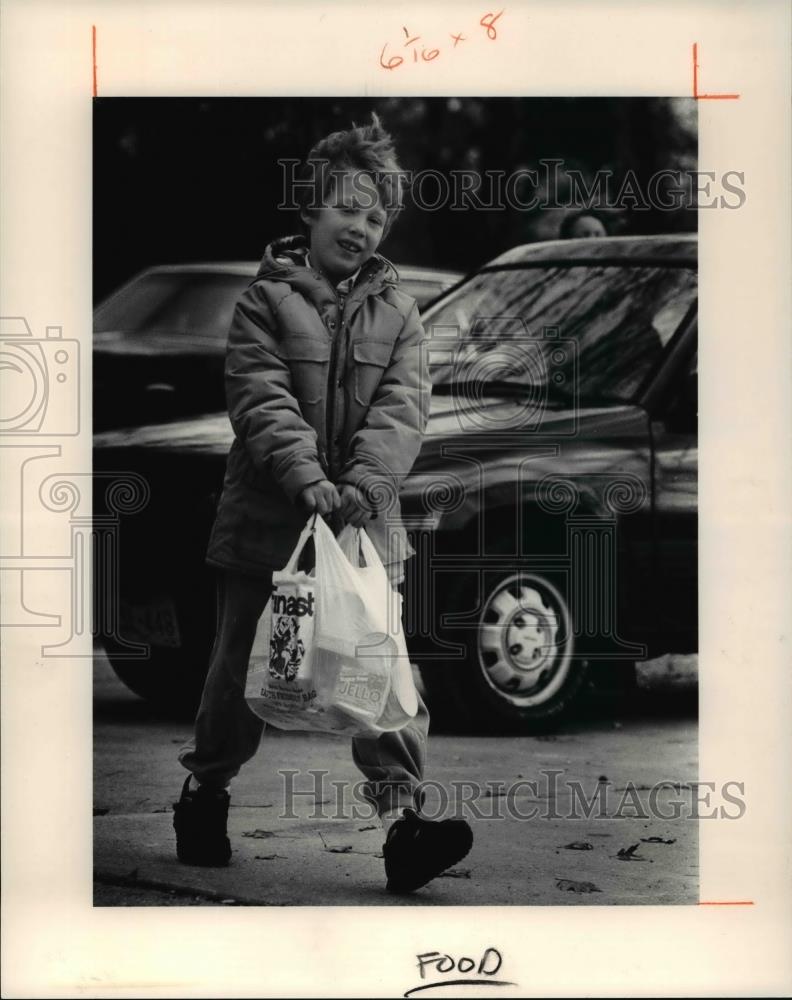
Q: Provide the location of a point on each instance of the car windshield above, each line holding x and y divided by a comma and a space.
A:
585, 333
196, 303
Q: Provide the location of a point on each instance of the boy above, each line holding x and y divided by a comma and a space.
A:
328, 394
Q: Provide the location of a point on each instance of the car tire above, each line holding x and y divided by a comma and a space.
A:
519, 668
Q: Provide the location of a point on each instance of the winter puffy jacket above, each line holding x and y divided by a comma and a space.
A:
318, 387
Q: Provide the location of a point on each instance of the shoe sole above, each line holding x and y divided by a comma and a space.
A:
400, 885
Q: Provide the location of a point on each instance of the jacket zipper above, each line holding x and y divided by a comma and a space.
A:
331, 386
330, 405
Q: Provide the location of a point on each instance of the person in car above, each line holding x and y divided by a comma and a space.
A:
586, 225
328, 391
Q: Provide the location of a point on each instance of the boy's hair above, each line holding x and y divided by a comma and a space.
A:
367, 148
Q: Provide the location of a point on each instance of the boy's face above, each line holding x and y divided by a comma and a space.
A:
348, 228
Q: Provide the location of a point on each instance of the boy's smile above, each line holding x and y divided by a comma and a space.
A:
346, 231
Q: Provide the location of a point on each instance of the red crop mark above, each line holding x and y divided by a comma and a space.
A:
727, 902
93, 44
706, 97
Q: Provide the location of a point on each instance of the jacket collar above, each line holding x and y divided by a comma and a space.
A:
346, 284
285, 259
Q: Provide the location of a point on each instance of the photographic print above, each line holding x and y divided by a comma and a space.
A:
391, 572
549, 481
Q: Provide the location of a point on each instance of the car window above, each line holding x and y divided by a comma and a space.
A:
196, 303
597, 328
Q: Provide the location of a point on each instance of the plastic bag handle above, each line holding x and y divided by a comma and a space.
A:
302, 541
370, 554
352, 533
363, 546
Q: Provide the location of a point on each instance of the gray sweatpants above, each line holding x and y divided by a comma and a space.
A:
227, 733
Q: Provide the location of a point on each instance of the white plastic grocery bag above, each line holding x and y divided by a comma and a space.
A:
329, 652
355, 543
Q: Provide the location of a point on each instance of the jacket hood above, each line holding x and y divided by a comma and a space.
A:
285, 260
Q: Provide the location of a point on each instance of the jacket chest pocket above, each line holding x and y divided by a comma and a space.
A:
371, 358
308, 360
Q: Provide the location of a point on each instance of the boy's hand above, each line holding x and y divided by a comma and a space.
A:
321, 497
355, 509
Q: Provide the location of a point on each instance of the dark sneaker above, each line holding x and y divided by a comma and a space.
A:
199, 819
417, 850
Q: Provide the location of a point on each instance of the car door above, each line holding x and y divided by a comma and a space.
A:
674, 430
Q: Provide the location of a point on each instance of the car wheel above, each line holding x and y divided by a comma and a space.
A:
519, 670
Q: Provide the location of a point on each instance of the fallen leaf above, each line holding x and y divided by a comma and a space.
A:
362, 829
100, 811
603, 777
578, 845
268, 857
570, 885
346, 849
259, 834
455, 873
628, 853
657, 840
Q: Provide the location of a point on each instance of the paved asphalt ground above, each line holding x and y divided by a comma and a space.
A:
621, 749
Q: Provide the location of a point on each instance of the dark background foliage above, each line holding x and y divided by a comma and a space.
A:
189, 179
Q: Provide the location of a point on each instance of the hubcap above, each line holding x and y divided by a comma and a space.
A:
525, 640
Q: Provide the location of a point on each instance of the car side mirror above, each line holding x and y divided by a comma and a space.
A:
682, 415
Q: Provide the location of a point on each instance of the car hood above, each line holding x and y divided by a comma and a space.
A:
465, 412
212, 433
157, 343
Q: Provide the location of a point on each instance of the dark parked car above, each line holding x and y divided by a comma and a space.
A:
159, 340
553, 506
